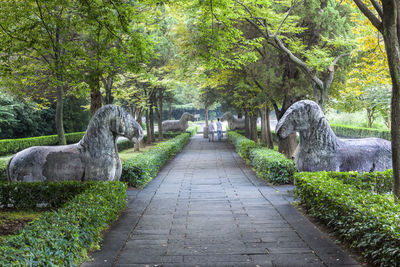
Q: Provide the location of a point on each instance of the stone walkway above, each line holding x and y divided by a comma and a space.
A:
207, 208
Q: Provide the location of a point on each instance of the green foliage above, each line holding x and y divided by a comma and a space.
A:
272, 166
367, 220
143, 168
63, 237
9, 146
28, 195
359, 132
242, 144
192, 130
3, 170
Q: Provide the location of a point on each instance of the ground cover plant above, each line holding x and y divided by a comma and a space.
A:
367, 220
270, 165
64, 237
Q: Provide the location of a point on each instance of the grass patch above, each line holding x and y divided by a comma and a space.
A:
131, 153
11, 221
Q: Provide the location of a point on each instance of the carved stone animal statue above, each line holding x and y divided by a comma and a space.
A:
94, 157
233, 122
320, 149
178, 125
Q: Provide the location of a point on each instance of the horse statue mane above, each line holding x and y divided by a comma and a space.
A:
178, 125
233, 122
94, 157
320, 149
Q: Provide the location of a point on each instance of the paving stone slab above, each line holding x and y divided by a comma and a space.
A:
208, 208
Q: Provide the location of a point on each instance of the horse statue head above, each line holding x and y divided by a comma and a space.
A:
227, 116
186, 116
110, 122
299, 117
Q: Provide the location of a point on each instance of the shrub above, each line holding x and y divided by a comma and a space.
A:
192, 130
3, 170
242, 144
368, 221
139, 170
378, 182
63, 237
28, 195
359, 132
272, 166
10, 146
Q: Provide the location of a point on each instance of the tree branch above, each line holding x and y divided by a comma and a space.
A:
331, 70
287, 15
377, 7
374, 20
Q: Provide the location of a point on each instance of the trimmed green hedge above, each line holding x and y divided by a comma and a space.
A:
270, 165
141, 169
28, 195
242, 144
63, 237
10, 146
367, 220
359, 132
3, 170
377, 182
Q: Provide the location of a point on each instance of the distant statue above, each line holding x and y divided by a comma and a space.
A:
320, 149
95, 157
233, 122
178, 125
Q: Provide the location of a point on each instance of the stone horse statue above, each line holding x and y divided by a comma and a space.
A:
178, 125
320, 149
95, 157
233, 122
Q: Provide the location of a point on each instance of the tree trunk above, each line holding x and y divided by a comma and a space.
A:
288, 145
159, 111
108, 84
139, 120
60, 116
263, 137
151, 115
206, 115
95, 94
391, 35
148, 127
253, 129
246, 125
240, 115
270, 142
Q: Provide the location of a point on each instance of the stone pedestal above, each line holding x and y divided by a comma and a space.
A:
205, 132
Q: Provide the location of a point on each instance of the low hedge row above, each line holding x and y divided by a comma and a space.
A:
273, 166
28, 195
141, 169
359, 132
270, 165
63, 237
377, 182
3, 170
11, 146
368, 221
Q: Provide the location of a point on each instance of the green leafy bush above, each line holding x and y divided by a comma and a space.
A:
3, 170
272, 166
378, 182
63, 237
28, 195
367, 220
359, 132
242, 144
139, 170
10, 146
192, 130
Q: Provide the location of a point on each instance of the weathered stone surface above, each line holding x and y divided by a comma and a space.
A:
320, 149
178, 125
95, 157
233, 122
